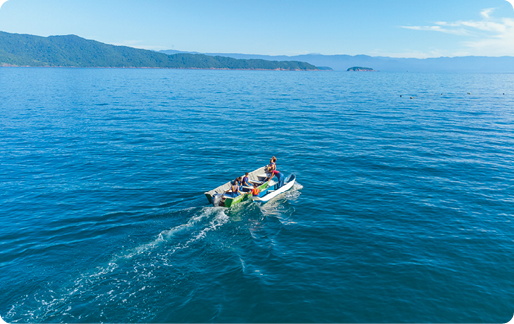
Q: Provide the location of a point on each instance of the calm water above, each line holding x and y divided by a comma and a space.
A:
405, 215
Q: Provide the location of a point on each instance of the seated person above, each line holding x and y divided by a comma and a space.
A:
240, 183
255, 191
235, 190
246, 181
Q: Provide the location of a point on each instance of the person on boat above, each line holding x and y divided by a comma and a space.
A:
272, 165
272, 168
235, 189
246, 181
256, 191
240, 183
280, 178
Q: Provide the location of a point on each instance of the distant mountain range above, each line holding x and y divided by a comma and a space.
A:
465, 64
74, 51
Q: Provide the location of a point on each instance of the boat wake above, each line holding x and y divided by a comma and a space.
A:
138, 272
275, 206
123, 277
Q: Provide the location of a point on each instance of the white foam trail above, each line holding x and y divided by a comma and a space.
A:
87, 282
162, 237
218, 221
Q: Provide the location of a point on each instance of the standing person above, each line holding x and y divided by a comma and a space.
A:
280, 178
272, 165
272, 168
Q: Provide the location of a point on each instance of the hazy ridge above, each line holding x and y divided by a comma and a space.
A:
466, 64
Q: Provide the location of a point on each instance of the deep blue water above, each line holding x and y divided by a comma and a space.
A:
405, 215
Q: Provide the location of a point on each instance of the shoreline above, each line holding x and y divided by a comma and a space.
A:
163, 68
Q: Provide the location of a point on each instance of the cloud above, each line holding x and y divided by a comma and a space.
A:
4, 1
409, 54
438, 29
490, 36
487, 12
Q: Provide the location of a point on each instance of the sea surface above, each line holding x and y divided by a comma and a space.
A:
403, 211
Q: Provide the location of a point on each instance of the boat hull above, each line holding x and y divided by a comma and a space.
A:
231, 201
270, 195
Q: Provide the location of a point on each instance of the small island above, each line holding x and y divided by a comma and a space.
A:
360, 69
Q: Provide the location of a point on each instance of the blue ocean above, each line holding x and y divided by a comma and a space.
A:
403, 211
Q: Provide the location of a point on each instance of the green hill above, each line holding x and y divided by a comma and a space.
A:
74, 51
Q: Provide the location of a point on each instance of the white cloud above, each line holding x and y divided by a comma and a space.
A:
4, 1
439, 29
408, 54
487, 12
490, 36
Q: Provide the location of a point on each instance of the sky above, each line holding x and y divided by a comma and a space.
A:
397, 28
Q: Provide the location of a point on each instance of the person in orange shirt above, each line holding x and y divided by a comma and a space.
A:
255, 191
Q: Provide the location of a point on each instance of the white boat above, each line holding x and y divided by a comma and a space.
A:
218, 196
275, 190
